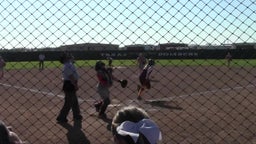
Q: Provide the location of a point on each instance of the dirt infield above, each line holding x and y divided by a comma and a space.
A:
190, 104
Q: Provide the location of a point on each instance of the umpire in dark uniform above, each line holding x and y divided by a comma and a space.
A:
70, 78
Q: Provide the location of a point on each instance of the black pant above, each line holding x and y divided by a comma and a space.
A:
71, 102
104, 106
41, 64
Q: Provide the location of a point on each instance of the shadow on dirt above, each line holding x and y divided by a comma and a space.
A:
164, 104
75, 135
109, 122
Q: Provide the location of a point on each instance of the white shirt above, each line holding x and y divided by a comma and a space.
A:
41, 57
69, 69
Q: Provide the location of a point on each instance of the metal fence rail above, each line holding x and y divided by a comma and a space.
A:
210, 100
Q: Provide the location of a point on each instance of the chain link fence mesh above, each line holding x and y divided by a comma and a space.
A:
192, 100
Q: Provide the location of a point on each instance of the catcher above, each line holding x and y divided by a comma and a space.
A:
105, 81
144, 78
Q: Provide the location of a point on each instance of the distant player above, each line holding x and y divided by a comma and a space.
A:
145, 78
41, 58
110, 61
228, 58
141, 61
2, 65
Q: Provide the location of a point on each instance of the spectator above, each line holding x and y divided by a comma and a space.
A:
132, 125
7, 136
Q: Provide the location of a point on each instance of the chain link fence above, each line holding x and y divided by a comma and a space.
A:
193, 98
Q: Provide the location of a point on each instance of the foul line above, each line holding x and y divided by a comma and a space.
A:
204, 93
36, 91
114, 105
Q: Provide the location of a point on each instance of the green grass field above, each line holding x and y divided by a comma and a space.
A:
91, 63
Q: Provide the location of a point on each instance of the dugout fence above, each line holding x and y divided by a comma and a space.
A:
197, 95
131, 55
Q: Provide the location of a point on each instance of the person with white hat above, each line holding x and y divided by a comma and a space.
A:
132, 125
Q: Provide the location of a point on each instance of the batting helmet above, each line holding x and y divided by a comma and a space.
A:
99, 65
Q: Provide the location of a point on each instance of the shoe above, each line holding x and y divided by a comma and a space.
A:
139, 98
102, 116
59, 120
79, 117
97, 106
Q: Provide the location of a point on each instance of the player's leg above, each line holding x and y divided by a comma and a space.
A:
141, 87
97, 105
42, 64
62, 117
75, 107
39, 65
103, 108
140, 93
104, 94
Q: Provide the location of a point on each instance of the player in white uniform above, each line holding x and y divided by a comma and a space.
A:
228, 58
41, 61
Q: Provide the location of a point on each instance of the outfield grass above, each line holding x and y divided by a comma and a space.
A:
91, 63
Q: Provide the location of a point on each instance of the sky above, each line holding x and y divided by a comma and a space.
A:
52, 23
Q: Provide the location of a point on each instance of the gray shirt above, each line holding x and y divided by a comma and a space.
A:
69, 69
